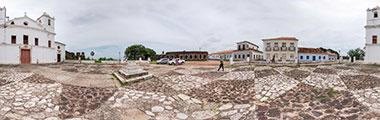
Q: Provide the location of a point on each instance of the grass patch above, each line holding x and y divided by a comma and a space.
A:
331, 93
153, 62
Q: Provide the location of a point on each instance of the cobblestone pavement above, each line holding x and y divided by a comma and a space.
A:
243, 93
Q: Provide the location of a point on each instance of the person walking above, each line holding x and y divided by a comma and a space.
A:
221, 65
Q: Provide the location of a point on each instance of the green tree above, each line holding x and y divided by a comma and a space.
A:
357, 53
150, 53
134, 52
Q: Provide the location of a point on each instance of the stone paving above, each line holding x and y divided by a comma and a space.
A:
325, 78
243, 93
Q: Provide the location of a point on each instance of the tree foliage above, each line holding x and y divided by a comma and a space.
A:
331, 51
134, 52
357, 53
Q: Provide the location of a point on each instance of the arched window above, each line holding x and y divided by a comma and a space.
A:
12, 23
375, 15
26, 23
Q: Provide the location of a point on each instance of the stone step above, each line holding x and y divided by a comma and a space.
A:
132, 68
132, 73
136, 79
119, 77
124, 81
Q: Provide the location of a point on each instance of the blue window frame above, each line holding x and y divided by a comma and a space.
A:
307, 57
301, 57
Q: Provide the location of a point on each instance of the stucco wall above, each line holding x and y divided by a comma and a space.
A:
43, 37
61, 51
371, 32
311, 57
9, 54
372, 54
43, 55
370, 17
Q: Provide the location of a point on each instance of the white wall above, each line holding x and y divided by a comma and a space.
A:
9, 54
371, 32
61, 51
372, 54
43, 37
311, 57
43, 55
370, 17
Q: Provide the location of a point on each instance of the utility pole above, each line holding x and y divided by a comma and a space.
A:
119, 58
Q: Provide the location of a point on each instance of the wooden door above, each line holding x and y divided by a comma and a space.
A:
25, 56
58, 57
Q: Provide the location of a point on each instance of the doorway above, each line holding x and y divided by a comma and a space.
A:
25, 56
58, 57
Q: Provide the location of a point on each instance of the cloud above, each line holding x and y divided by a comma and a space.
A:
212, 25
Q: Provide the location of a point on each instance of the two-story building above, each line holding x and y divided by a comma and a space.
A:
281, 50
244, 50
247, 50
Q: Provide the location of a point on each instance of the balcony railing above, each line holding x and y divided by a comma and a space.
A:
292, 48
276, 48
284, 48
268, 49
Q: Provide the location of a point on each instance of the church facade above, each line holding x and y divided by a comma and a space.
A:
372, 45
27, 41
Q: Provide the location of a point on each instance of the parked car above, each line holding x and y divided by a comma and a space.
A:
163, 61
176, 61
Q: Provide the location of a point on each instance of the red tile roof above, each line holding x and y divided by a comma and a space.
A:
224, 52
282, 38
187, 52
248, 43
311, 50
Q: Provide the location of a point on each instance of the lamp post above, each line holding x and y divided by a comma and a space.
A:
92, 54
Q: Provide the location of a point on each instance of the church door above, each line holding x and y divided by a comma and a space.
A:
25, 56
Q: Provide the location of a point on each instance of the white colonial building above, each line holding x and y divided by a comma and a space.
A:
281, 50
27, 41
310, 55
245, 51
372, 46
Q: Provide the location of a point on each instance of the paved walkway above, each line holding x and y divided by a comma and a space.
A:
323, 92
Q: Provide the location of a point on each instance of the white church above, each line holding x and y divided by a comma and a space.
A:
27, 41
372, 46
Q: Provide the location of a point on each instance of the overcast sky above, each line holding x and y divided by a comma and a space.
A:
109, 26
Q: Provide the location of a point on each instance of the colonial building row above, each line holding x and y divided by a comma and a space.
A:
286, 50
25, 41
276, 50
185, 55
